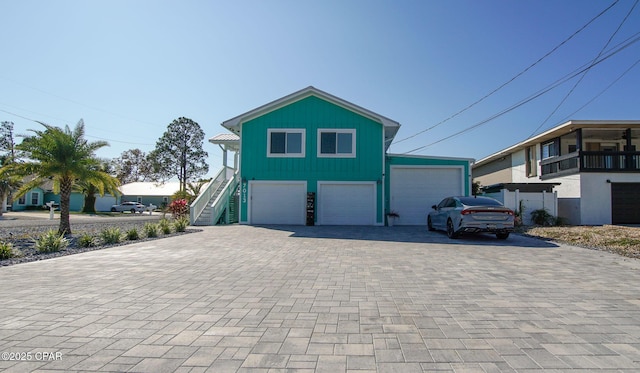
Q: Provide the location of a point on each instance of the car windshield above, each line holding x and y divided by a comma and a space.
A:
479, 201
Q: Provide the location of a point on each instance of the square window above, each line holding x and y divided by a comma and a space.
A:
336, 143
22, 201
285, 143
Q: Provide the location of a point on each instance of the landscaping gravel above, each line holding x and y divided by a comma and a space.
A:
22, 232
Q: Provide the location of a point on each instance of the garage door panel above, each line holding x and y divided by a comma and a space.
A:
278, 203
415, 189
625, 203
346, 204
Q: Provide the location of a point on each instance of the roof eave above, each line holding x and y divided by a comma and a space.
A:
551, 133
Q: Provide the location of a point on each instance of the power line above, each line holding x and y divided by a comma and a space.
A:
513, 78
79, 103
95, 137
601, 92
534, 96
577, 83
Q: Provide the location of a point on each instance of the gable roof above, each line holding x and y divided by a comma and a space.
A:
391, 127
558, 131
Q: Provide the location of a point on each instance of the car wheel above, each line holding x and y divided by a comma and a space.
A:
133, 211
113, 209
451, 233
502, 235
430, 224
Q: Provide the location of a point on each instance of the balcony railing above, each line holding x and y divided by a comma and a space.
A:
590, 161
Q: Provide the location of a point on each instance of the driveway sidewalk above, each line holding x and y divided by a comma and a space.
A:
325, 299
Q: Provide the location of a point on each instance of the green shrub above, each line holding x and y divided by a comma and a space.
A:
6, 250
180, 225
111, 235
86, 240
51, 241
544, 218
164, 226
132, 234
151, 229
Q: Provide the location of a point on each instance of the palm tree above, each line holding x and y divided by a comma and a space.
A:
90, 187
64, 156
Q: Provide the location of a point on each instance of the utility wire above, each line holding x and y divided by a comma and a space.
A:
534, 96
601, 92
95, 137
564, 99
512, 79
79, 103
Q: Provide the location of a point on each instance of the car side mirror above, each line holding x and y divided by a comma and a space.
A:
434, 207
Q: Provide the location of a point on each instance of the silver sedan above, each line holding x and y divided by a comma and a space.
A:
129, 206
457, 215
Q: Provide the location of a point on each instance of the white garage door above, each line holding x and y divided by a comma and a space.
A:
104, 203
277, 202
415, 189
346, 203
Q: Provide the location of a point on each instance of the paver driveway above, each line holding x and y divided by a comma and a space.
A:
326, 299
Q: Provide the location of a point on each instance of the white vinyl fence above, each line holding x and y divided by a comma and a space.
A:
531, 201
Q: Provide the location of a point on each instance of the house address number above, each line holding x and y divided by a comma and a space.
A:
244, 192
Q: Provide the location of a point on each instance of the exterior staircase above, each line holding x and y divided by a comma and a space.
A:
206, 216
215, 204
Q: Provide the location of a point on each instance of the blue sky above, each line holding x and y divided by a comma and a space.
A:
128, 68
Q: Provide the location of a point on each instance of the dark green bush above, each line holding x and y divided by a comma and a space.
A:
544, 218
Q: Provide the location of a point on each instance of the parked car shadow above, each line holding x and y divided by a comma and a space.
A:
415, 234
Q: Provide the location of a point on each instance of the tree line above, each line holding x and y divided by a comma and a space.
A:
64, 157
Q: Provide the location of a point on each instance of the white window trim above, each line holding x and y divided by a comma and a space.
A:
286, 155
352, 131
37, 199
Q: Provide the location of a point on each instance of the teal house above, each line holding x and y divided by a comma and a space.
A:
313, 158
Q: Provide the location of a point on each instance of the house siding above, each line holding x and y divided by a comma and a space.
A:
311, 113
494, 172
15, 206
76, 200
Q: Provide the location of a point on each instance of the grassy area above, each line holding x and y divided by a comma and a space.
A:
621, 240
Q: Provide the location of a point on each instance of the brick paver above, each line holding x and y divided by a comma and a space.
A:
324, 299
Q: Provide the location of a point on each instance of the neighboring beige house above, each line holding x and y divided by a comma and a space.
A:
149, 193
596, 162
